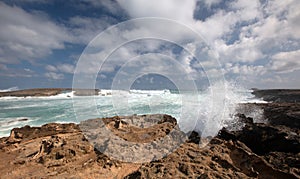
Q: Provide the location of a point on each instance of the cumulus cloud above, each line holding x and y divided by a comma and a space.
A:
25, 35
62, 68
285, 62
51, 68
246, 35
33, 35
171, 9
66, 68
209, 3
57, 72
54, 76
249, 35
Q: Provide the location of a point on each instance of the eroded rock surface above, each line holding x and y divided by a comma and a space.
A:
258, 150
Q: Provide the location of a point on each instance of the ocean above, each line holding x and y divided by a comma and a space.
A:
194, 111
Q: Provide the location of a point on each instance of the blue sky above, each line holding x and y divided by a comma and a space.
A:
256, 42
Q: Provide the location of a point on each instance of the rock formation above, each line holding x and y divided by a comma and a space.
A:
42, 92
152, 146
66, 150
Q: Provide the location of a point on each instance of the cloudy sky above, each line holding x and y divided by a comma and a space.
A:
256, 43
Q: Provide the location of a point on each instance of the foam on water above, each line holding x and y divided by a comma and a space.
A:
194, 111
15, 88
6, 124
63, 95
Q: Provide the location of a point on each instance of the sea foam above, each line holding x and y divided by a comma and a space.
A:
204, 111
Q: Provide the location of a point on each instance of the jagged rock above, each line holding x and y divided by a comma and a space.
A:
194, 137
88, 151
115, 137
263, 138
220, 159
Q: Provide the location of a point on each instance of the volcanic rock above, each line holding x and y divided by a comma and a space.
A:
149, 146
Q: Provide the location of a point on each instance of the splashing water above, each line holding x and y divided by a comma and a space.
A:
219, 105
206, 112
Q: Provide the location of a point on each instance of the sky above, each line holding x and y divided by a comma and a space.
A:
254, 43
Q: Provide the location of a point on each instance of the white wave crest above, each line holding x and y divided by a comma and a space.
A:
15, 88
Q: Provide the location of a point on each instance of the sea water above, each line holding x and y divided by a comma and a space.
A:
192, 110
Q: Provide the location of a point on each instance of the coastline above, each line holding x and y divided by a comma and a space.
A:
44, 92
61, 150
263, 150
278, 95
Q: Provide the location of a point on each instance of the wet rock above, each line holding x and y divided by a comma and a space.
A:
194, 137
263, 139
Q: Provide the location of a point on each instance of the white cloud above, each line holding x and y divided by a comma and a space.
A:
285, 62
171, 9
28, 70
213, 29
248, 32
250, 37
263, 29
244, 50
217, 25
51, 68
33, 35
62, 68
66, 68
247, 10
293, 19
245, 69
209, 3
25, 35
54, 76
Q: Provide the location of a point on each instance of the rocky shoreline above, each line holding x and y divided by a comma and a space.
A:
257, 150
44, 92
278, 95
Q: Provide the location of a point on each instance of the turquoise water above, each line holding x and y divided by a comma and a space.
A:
41, 110
186, 108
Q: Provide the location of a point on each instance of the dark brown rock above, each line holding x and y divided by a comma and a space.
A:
66, 150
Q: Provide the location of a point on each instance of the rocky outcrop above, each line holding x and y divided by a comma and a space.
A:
35, 92
42, 92
150, 146
59, 150
279, 145
278, 95
219, 159
86, 92
279, 114
256, 151
135, 139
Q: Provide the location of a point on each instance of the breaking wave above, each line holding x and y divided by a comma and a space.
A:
15, 88
205, 111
